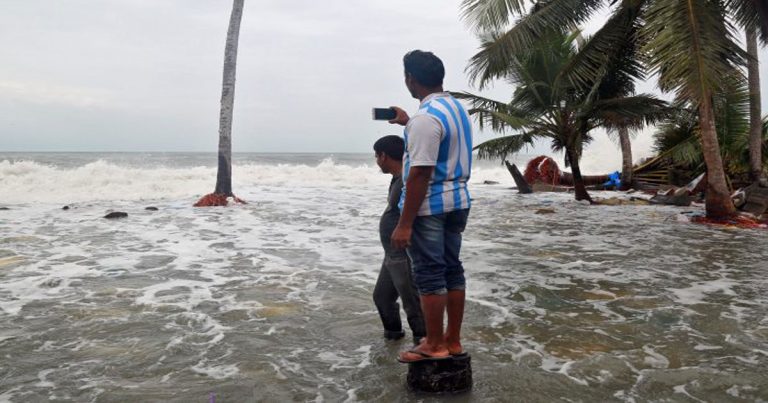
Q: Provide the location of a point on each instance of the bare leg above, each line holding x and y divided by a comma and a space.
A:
455, 308
433, 306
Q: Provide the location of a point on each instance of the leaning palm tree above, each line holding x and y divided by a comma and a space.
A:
223, 189
544, 106
690, 45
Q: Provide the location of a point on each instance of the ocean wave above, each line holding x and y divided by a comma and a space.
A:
28, 181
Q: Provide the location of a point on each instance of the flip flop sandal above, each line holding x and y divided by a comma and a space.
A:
424, 357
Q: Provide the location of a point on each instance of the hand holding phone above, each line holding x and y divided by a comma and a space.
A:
384, 113
401, 117
392, 114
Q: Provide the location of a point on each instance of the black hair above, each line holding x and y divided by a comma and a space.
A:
393, 146
425, 67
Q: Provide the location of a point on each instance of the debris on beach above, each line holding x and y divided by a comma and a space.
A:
673, 197
545, 211
544, 175
753, 199
116, 214
217, 199
615, 201
738, 221
522, 185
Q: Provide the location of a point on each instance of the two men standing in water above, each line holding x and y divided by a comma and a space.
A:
434, 204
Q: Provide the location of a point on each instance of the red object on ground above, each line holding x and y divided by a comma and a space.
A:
542, 169
217, 199
738, 221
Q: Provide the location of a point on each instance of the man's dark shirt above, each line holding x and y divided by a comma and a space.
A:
391, 216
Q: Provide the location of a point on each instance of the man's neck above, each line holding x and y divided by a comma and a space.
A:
396, 171
428, 91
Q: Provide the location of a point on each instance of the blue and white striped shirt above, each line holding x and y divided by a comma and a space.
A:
440, 135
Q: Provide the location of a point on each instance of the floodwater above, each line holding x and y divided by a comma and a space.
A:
271, 301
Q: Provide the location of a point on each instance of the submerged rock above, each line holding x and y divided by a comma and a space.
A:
545, 211
4, 208
443, 376
65, 208
116, 214
150, 208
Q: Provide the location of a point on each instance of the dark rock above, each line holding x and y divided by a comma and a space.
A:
545, 211
442, 376
116, 214
486, 182
4, 208
151, 208
65, 208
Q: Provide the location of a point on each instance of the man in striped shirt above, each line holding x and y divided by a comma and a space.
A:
435, 203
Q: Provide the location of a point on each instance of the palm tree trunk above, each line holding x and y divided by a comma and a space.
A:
626, 158
224, 174
755, 115
578, 181
718, 198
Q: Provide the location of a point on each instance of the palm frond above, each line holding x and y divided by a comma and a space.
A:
765, 126
732, 120
488, 15
751, 14
677, 138
498, 115
613, 49
498, 47
633, 112
502, 147
691, 46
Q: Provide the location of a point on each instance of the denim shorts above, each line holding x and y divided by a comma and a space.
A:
434, 252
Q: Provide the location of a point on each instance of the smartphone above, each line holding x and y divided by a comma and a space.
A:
384, 113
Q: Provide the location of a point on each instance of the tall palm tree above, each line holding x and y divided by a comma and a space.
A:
689, 43
223, 188
626, 157
544, 106
755, 121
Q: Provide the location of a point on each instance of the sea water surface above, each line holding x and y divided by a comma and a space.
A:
271, 301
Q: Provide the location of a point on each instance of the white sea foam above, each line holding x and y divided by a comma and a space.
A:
30, 181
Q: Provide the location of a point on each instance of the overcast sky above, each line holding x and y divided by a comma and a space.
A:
145, 75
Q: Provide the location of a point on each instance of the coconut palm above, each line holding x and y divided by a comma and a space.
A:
755, 123
677, 136
689, 43
223, 188
544, 106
